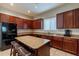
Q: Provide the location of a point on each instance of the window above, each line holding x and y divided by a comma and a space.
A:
46, 24
50, 24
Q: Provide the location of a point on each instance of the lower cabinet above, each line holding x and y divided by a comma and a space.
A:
67, 44
78, 49
37, 35
57, 42
44, 37
70, 45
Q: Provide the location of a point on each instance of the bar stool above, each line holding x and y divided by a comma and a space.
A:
14, 47
17, 49
23, 52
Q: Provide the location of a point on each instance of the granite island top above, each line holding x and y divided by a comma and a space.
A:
33, 42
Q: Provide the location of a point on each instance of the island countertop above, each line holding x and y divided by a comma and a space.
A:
33, 42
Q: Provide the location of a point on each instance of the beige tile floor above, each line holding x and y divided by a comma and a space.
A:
53, 52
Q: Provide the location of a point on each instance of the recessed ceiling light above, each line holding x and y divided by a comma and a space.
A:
28, 11
11, 4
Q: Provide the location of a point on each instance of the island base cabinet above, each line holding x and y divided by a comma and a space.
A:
70, 45
44, 50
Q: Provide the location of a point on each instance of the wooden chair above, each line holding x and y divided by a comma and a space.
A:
23, 52
17, 49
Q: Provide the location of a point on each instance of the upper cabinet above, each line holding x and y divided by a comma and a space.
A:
38, 24
76, 17
68, 19
22, 23
60, 23
4, 18
19, 23
27, 24
12, 19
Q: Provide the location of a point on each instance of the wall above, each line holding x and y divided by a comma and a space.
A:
53, 12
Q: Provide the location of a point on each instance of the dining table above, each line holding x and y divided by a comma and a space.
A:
37, 46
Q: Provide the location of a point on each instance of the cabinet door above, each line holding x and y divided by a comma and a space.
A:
12, 19
78, 48
57, 42
69, 19
70, 45
4, 18
19, 23
43, 36
37, 24
27, 24
60, 23
76, 19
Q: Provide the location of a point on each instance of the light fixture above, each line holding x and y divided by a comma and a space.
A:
11, 4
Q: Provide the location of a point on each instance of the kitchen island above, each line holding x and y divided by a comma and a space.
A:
39, 46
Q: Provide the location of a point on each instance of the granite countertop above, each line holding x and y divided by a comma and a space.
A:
32, 41
60, 35
52, 34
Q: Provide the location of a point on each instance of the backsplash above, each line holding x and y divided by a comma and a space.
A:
24, 30
58, 31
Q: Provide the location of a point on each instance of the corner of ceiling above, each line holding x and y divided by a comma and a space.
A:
49, 10
14, 13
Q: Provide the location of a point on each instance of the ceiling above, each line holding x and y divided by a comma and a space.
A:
30, 9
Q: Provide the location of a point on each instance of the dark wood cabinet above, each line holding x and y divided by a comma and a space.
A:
70, 45
37, 24
69, 19
4, 18
27, 24
37, 35
57, 42
44, 36
12, 19
19, 23
60, 22
78, 48
76, 18
22, 23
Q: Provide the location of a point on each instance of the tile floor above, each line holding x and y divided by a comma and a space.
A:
53, 52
